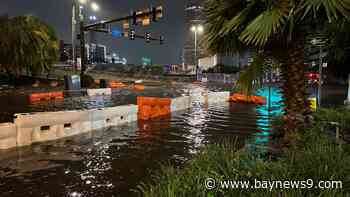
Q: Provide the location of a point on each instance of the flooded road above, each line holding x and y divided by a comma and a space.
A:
113, 161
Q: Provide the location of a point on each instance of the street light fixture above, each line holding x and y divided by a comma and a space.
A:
95, 7
83, 2
200, 29
77, 15
196, 29
92, 18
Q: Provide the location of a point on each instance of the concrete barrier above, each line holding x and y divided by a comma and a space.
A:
217, 97
99, 92
221, 78
8, 136
206, 97
180, 103
48, 126
113, 116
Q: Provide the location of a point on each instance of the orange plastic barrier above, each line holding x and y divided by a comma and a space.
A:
150, 108
240, 98
139, 87
117, 84
46, 96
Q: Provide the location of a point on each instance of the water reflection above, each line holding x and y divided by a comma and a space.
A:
273, 108
112, 161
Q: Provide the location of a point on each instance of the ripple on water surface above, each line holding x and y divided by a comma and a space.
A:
113, 161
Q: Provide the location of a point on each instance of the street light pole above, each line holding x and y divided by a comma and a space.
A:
74, 22
82, 48
195, 53
196, 29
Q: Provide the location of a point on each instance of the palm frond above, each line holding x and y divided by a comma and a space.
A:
263, 27
250, 77
333, 8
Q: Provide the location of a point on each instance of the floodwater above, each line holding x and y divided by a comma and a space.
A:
114, 161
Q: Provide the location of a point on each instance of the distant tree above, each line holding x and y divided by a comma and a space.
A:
27, 44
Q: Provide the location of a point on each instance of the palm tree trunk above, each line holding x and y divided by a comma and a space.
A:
295, 91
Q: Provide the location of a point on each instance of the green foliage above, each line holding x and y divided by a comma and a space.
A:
251, 74
27, 44
342, 116
316, 157
235, 23
276, 29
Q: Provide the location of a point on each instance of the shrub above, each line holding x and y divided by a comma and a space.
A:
316, 158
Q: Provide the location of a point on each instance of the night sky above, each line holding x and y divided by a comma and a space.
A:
58, 14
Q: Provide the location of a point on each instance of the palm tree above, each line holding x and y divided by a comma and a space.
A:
26, 44
276, 28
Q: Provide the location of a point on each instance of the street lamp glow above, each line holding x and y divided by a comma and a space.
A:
200, 28
193, 28
95, 7
83, 2
92, 18
197, 28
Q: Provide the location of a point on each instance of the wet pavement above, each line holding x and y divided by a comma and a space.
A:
114, 161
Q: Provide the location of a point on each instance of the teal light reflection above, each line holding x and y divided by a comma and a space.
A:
274, 107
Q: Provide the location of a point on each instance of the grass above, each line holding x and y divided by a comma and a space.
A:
318, 157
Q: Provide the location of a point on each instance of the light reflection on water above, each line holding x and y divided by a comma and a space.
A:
113, 161
273, 108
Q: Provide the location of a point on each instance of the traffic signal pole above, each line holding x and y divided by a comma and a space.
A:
82, 48
155, 13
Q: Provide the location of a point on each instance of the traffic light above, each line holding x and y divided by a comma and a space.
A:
148, 37
132, 34
157, 13
161, 39
154, 14
134, 18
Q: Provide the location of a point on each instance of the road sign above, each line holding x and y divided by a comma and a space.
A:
146, 61
117, 33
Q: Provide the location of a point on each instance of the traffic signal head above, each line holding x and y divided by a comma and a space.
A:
134, 18
132, 34
161, 39
154, 14
148, 37
157, 13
